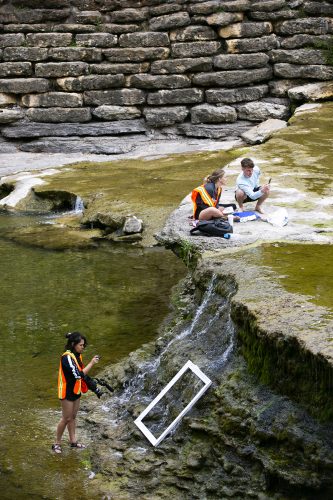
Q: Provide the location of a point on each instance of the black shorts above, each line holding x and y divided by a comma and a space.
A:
247, 199
72, 397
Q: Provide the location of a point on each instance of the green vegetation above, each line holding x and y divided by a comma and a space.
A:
187, 252
298, 374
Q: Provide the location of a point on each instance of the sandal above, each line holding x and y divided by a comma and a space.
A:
56, 448
77, 445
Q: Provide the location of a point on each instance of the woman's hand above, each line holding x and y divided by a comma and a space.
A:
95, 359
91, 363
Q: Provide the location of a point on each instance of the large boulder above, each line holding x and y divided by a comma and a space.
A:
24, 85
230, 96
146, 39
240, 61
182, 65
260, 133
90, 82
106, 112
232, 78
312, 92
6, 99
10, 69
246, 30
224, 18
52, 99
311, 71
59, 115
108, 220
10, 115
33, 130
118, 97
169, 21
176, 96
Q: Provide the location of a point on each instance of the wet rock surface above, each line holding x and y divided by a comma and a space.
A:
241, 440
308, 207
107, 197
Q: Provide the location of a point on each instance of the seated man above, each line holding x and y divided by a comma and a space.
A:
248, 188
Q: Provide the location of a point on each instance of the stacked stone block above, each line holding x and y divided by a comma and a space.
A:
202, 68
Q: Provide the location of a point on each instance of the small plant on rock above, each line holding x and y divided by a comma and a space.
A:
187, 252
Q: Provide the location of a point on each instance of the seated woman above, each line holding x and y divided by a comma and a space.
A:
206, 197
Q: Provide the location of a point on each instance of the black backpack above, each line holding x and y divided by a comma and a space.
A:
216, 227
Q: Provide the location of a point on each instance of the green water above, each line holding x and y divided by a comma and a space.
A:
117, 296
304, 269
304, 150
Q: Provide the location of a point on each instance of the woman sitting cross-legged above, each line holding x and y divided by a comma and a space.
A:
206, 197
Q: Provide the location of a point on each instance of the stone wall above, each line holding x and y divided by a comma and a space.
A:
189, 67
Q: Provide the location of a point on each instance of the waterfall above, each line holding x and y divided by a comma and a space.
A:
78, 206
209, 338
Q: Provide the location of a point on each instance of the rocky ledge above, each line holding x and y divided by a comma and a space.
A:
309, 209
259, 431
242, 440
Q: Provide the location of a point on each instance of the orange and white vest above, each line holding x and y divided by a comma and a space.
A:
205, 196
62, 382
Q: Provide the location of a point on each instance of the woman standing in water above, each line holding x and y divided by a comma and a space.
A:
70, 387
206, 198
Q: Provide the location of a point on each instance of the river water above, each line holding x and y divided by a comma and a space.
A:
117, 296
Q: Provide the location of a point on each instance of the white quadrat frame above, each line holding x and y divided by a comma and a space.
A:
188, 366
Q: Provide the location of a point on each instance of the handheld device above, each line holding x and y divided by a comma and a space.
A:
269, 180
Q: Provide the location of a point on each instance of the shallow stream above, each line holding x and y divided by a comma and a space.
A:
302, 269
117, 296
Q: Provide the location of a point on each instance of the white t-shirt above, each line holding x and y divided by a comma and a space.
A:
247, 184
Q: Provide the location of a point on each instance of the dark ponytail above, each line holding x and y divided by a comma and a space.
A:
74, 338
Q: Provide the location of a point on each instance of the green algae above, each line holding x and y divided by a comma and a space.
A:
187, 252
278, 358
116, 296
149, 189
305, 378
301, 269
299, 160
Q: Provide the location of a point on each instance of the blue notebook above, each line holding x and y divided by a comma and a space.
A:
247, 216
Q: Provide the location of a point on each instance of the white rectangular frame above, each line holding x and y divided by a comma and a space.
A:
188, 366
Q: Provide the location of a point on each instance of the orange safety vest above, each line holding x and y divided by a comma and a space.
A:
205, 196
62, 383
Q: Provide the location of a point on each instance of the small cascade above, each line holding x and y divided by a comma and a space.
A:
79, 205
208, 341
